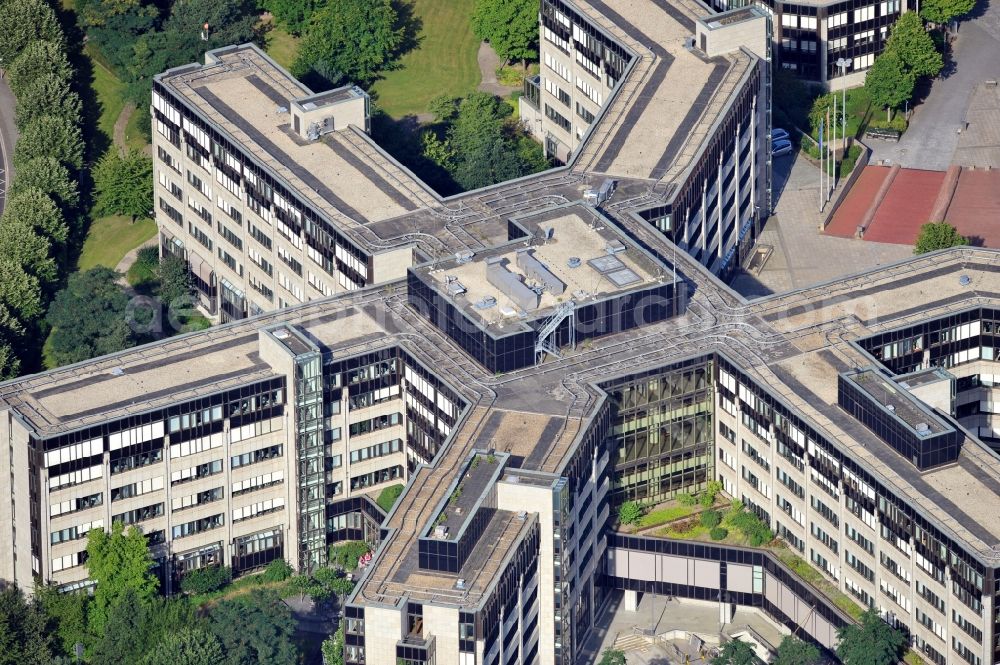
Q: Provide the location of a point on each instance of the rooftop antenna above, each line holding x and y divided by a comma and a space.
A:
204, 32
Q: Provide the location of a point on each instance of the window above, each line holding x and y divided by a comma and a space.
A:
837, 44
197, 499
137, 488
554, 115
196, 472
259, 508
789, 21
808, 22
256, 456
586, 88
864, 14
197, 526
556, 66
864, 37
375, 424
257, 482
230, 237
378, 450
76, 505
836, 20
139, 514
864, 61
200, 236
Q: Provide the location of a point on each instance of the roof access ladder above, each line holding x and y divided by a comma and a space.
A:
546, 343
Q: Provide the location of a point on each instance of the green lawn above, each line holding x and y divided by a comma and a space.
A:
443, 64
111, 238
282, 46
110, 94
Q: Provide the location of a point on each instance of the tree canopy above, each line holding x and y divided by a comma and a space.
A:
938, 235
873, 642
611, 656
48, 94
50, 136
119, 561
942, 11
38, 59
915, 48
48, 176
293, 14
124, 184
349, 41
24, 635
888, 82
735, 652
188, 646
510, 26
89, 317
23, 22
793, 651
256, 628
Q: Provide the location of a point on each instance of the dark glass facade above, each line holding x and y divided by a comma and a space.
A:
507, 353
662, 436
923, 451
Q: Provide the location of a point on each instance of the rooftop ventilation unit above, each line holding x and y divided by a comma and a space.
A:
537, 270
464, 257
514, 480
441, 531
282, 109
281, 333
507, 311
689, 43
522, 515
509, 284
548, 232
614, 247
891, 408
964, 280
460, 584
574, 262
312, 133
117, 371
922, 429
485, 302
455, 287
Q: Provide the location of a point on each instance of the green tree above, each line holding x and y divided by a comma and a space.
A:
119, 562
67, 611
914, 46
175, 282
346, 554
39, 59
122, 633
47, 95
293, 14
89, 317
888, 82
793, 651
124, 184
20, 294
36, 210
50, 136
387, 497
938, 235
23, 22
510, 26
33, 252
349, 41
630, 512
188, 646
47, 176
207, 579
872, 642
113, 26
333, 647
735, 652
25, 638
612, 656
444, 108
254, 628
942, 11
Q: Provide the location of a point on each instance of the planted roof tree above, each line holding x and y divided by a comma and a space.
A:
349, 41
510, 26
612, 656
938, 235
888, 82
735, 652
873, 642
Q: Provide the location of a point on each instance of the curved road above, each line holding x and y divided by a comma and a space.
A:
8, 135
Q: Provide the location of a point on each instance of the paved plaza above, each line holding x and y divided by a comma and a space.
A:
800, 254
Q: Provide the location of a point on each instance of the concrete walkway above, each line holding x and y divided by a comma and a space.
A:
489, 62
130, 258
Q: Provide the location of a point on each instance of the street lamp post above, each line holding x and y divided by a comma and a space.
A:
843, 64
